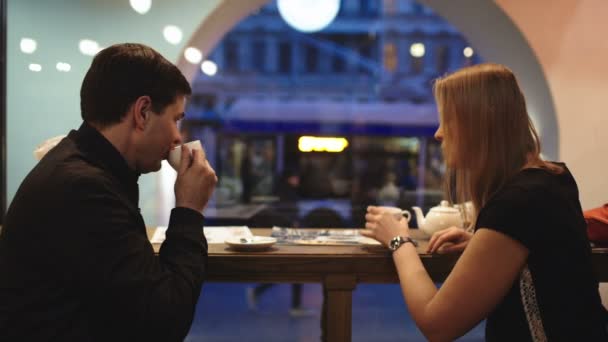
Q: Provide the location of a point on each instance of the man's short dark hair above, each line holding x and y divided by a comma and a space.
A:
120, 74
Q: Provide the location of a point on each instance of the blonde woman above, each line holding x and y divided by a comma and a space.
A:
527, 267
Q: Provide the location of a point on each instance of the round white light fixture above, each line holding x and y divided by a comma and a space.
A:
35, 67
468, 52
308, 15
417, 50
172, 34
88, 47
63, 67
141, 6
209, 68
28, 45
193, 55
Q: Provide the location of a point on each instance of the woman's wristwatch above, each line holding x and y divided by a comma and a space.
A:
397, 241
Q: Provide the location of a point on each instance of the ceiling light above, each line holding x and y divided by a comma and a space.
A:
209, 68
28, 45
468, 52
88, 47
173, 34
308, 15
63, 67
193, 55
141, 6
35, 67
417, 50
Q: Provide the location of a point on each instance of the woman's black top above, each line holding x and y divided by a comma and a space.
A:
556, 297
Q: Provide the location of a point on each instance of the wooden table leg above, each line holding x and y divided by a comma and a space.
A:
336, 325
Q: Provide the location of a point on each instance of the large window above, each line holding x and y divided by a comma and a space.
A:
363, 85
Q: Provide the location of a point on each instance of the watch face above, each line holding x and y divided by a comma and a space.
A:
395, 243
400, 240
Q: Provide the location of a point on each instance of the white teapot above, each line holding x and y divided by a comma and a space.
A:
468, 212
438, 218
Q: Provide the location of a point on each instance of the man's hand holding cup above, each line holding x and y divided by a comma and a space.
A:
196, 179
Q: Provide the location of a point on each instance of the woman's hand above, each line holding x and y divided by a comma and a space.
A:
449, 240
383, 226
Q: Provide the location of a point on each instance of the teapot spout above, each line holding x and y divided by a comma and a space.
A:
419, 217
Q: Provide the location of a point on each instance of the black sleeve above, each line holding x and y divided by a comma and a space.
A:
130, 289
514, 212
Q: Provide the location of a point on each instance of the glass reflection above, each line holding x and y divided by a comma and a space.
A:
367, 77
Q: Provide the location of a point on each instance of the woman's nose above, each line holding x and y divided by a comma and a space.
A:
439, 135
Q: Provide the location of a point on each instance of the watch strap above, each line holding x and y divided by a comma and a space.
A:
398, 241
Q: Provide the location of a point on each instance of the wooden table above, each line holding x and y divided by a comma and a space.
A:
338, 268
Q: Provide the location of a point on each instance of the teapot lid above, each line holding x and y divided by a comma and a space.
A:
445, 208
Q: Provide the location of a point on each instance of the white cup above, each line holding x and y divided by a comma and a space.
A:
175, 155
397, 212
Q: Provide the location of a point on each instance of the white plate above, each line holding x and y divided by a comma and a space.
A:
251, 243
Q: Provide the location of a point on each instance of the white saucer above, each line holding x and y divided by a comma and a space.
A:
251, 243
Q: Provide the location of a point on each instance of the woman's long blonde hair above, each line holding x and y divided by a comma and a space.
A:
487, 131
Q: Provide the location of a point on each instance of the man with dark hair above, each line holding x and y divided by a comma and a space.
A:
75, 260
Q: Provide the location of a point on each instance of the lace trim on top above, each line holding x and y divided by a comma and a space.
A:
528, 300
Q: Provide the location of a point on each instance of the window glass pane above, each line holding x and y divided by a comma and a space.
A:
259, 56
231, 56
285, 57
340, 118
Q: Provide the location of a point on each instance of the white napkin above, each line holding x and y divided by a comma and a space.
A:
213, 234
46, 146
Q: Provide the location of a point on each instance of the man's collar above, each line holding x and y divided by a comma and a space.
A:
95, 144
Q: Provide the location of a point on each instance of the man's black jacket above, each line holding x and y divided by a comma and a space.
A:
75, 261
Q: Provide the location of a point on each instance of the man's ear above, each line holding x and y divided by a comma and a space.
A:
141, 111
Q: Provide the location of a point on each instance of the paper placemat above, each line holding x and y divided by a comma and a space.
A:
324, 241
322, 237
